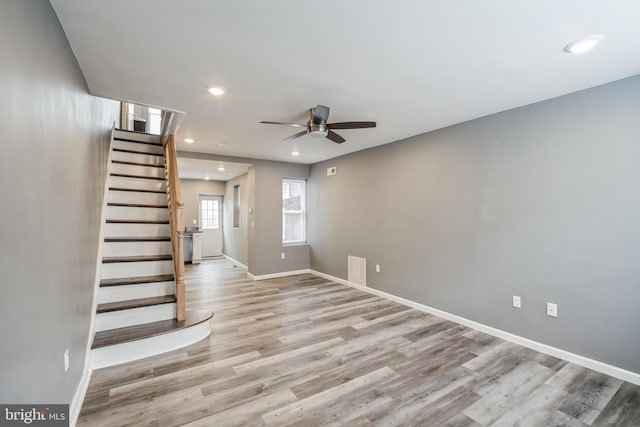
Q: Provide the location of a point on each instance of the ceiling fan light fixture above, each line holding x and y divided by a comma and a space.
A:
584, 44
318, 134
216, 91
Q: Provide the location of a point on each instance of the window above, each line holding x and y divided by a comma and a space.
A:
236, 206
155, 121
293, 211
209, 214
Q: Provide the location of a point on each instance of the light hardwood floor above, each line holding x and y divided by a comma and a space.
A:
304, 351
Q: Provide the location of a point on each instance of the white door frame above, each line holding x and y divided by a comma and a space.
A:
211, 239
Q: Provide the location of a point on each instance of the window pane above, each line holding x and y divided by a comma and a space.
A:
293, 210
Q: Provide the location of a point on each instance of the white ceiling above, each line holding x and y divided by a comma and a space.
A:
201, 168
411, 65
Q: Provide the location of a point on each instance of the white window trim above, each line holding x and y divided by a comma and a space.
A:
303, 241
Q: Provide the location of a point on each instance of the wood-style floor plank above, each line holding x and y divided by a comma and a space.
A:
305, 351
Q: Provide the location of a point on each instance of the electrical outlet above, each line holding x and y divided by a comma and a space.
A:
66, 360
517, 301
283, 255
332, 171
377, 268
552, 309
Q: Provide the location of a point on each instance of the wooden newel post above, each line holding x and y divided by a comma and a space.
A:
179, 264
176, 221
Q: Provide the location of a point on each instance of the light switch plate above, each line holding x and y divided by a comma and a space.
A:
552, 309
517, 301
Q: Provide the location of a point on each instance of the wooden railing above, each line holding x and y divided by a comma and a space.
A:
176, 220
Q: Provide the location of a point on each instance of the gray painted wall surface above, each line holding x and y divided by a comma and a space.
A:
265, 223
191, 190
268, 220
52, 175
541, 201
236, 239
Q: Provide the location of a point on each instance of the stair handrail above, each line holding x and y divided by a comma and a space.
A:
176, 221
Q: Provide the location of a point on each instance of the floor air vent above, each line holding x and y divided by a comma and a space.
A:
357, 270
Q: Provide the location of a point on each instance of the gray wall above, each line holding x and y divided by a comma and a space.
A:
541, 201
236, 239
52, 175
264, 182
191, 190
268, 221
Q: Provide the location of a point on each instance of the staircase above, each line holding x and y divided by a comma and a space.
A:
136, 312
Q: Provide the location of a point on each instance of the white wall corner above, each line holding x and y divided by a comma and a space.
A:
81, 390
235, 261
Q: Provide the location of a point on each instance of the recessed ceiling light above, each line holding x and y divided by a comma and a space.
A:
217, 91
221, 169
222, 144
206, 178
295, 153
584, 44
189, 140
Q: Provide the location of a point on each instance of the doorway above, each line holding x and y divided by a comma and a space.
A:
211, 225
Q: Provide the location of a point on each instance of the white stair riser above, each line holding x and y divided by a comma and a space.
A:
138, 158
115, 249
127, 352
138, 136
146, 171
133, 146
137, 184
134, 316
140, 290
132, 213
137, 230
134, 197
118, 270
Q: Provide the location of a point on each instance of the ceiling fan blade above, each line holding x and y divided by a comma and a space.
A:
351, 125
283, 123
320, 114
295, 135
335, 137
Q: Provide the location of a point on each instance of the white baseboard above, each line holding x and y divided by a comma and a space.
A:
81, 392
276, 275
235, 261
585, 362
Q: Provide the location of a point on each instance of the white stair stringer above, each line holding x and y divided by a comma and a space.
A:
135, 350
135, 316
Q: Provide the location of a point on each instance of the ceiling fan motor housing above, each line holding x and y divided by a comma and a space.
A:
317, 130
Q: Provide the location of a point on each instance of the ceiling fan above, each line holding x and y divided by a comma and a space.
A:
318, 127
